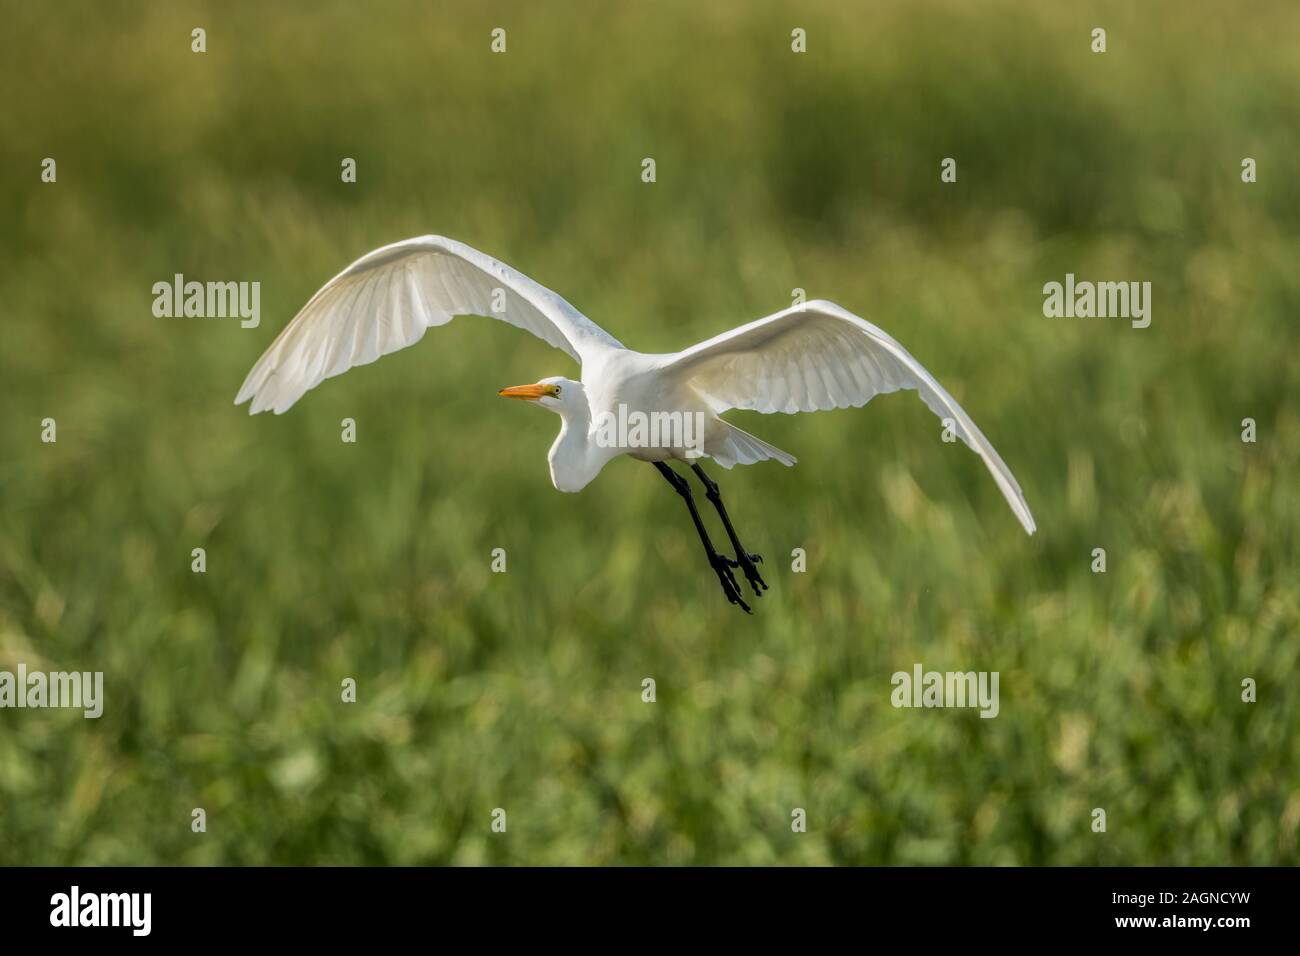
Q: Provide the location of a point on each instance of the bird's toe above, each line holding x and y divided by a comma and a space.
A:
722, 566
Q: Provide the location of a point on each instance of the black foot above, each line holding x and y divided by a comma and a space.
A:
723, 565
747, 564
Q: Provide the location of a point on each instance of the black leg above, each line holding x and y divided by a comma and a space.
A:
744, 560
720, 563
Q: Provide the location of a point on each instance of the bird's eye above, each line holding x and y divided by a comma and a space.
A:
557, 390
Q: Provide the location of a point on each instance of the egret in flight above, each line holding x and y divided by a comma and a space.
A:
807, 358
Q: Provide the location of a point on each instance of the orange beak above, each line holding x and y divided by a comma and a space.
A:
527, 392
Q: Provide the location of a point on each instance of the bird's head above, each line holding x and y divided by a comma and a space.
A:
561, 395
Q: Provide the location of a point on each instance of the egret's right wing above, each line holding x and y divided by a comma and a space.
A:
819, 356
388, 298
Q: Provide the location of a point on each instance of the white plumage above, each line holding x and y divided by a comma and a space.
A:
807, 358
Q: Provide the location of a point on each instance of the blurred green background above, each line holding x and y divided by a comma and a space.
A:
522, 691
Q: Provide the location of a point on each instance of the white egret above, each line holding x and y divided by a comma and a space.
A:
810, 357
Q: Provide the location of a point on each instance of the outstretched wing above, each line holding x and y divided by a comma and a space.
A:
819, 356
384, 302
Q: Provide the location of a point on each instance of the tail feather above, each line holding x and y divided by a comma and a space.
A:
739, 447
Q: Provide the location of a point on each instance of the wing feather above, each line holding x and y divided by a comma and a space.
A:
819, 356
389, 298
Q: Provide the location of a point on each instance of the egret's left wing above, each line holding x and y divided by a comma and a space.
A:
388, 298
819, 356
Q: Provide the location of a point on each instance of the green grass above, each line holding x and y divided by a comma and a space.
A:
522, 690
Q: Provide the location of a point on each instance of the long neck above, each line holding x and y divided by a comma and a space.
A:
574, 459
